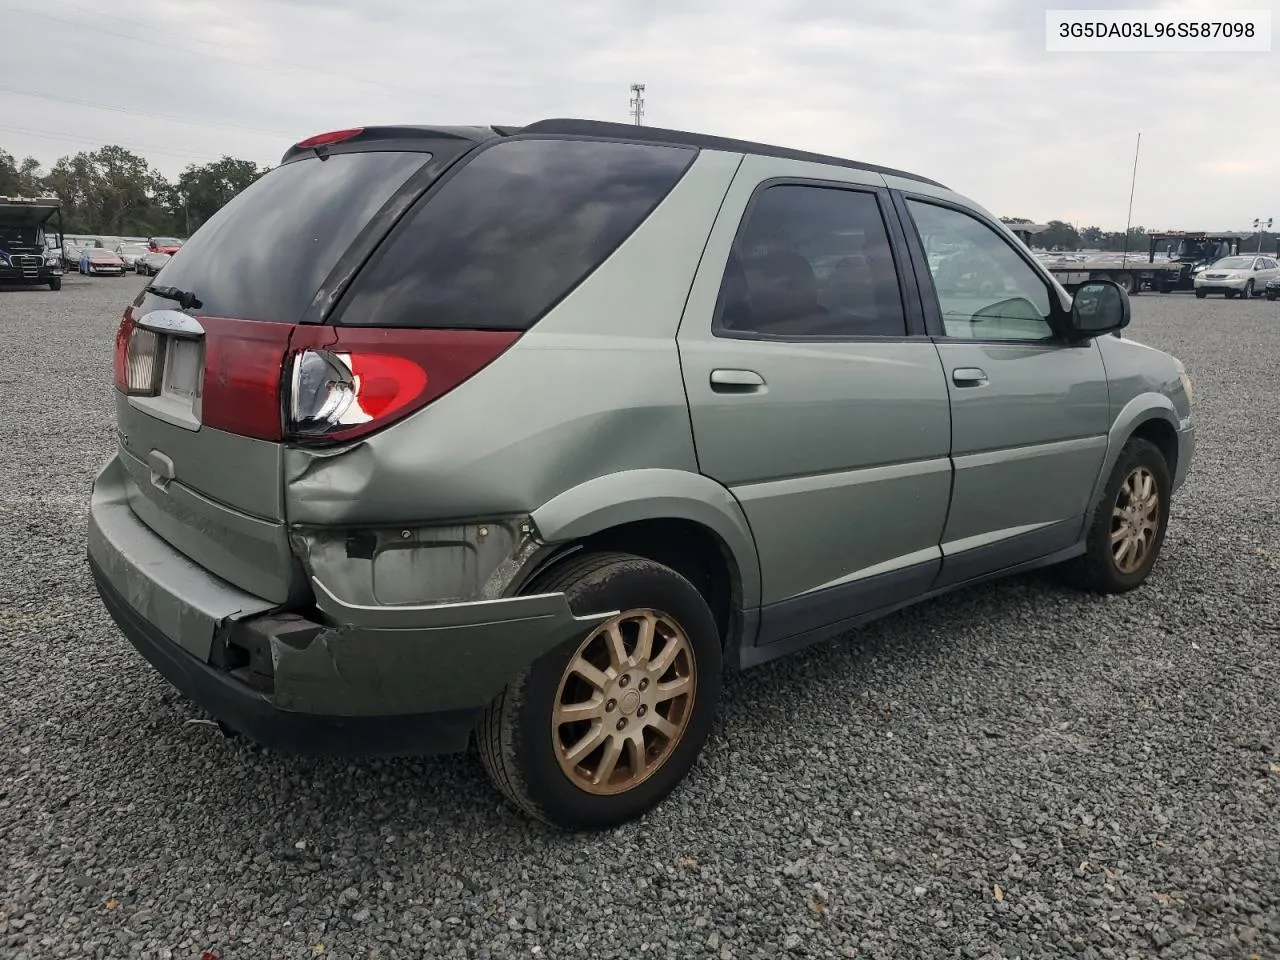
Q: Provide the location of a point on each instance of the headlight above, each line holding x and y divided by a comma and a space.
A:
1186, 380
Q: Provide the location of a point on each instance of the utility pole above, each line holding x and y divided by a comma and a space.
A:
637, 103
1260, 225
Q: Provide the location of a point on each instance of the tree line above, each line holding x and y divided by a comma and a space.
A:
1061, 235
115, 192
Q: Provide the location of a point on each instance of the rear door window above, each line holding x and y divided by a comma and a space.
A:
264, 255
512, 233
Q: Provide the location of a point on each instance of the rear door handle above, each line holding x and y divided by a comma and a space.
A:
736, 381
968, 377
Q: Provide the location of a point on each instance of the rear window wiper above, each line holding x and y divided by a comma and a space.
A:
187, 301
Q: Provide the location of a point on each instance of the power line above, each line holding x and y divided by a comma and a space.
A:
163, 151
139, 113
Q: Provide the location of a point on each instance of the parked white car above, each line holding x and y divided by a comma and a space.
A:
1244, 276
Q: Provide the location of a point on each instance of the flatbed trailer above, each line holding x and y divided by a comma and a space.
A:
1132, 273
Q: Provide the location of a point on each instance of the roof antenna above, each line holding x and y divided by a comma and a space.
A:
637, 103
1124, 258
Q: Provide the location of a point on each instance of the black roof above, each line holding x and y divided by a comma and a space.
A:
406, 134
643, 134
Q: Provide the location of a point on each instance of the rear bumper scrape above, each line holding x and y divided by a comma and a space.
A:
355, 680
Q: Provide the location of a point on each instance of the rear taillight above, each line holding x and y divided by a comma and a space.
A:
137, 359
334, 136
346, 382
317, 384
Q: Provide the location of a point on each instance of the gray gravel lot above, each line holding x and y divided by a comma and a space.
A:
1013, 771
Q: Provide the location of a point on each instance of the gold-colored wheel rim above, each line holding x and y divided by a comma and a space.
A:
624, 702
1135, 519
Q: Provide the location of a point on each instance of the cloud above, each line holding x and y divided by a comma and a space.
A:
964, 93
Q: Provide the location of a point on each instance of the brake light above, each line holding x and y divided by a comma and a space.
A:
335, 136
347, 382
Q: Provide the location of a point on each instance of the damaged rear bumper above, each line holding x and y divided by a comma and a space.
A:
346, 680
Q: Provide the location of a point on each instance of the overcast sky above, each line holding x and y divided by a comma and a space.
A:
961, 91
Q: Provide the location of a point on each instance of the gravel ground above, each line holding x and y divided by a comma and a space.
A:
1014, 771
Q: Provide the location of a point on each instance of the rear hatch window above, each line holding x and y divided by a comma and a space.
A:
264, 255
512, 233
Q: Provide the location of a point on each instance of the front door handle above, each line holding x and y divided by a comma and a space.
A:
736, 381
968, 377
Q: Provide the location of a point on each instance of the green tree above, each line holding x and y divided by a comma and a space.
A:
201, 191
1060, 236
1091, 236
111, 191
19, 178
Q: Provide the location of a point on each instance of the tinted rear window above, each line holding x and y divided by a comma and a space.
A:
512, 233
264, 255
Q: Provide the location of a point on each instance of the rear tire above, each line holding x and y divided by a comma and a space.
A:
612, 765
1127, 284
1133, 510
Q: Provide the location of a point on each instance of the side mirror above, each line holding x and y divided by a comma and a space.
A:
1098, 307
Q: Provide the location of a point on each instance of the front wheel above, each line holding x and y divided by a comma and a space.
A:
599, 731
55, 284
1270, 295
1200, 294
1129, 523
1248, 290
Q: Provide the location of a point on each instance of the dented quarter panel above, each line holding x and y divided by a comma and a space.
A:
632, 495
592, 390
399, 565
407, 660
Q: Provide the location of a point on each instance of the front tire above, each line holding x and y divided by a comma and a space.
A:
600, 730
1129, 523
55, 284
1248, 290
1200, 294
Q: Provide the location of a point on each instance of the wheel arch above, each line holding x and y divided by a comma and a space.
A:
1150, 416
684, 520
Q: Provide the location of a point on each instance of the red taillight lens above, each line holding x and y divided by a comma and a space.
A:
243, 363
335, 136
346, 382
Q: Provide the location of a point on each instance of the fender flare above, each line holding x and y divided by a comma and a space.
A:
654, 494
1141, 409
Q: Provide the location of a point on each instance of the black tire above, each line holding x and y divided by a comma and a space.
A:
1270, 296
55, 284
1200, 294
1126, 283
1097, 569
514, 735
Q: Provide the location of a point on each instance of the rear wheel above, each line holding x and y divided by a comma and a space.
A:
1127, 284
1129, 523
597, 732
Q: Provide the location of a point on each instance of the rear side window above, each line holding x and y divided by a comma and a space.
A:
511, 234
265, 254
811, 261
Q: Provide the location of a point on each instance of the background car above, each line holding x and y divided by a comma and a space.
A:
169, 245
1243, 276
1272, 290
72, 251
97, 261
129, 253
149, 263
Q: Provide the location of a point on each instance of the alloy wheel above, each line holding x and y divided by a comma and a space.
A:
624, 702
1135, 520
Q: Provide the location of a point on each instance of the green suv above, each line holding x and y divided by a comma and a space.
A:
526, 434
